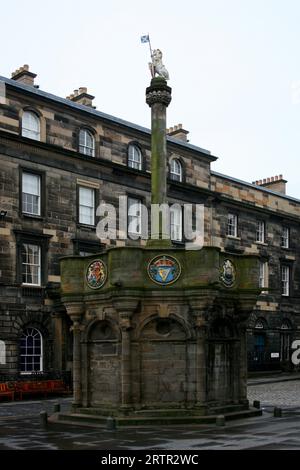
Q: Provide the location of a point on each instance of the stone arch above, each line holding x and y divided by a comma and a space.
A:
188, 329
288, 320
255, 318
103, 348
163, 351
92, 325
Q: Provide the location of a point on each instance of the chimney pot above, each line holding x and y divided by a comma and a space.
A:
275, 183
23, 75
81, 96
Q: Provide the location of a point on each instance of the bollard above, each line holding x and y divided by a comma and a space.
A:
256, 404
220, 420
277, 412
43, 419
111, 424
56, 408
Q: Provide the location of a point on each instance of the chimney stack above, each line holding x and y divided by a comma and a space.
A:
23, 75
275, 183
81, 96
178, 133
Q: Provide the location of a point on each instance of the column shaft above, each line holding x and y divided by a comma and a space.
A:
201, 365
76, 365
126, 368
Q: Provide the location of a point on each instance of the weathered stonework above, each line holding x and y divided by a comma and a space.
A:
142, 346
56, 156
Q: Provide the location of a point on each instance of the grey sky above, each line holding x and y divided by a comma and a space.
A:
234, 68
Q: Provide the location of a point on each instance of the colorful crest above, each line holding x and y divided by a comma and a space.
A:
164, 270
228, 273
96, 274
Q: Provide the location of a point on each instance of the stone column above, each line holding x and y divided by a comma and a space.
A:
126, 363
58, 341
199, 309
125, 309
201, 365
158, 97
75, 312
243, 365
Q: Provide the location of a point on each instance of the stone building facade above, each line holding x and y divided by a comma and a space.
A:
59, 159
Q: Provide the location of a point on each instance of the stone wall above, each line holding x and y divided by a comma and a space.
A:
64, 169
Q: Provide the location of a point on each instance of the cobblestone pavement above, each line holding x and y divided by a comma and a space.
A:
283, 394
20, 428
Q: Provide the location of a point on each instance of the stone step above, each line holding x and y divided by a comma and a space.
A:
155, 412
100, 421
226, 409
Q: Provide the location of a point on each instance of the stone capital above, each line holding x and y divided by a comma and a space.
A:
158, 96
77, 327
125, 307
158, 92
201, 307
75, 311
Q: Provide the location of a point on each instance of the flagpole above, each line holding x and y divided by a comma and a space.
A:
150, 45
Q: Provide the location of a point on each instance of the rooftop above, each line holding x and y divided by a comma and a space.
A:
66, 102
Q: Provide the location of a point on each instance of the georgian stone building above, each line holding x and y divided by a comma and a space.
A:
59, 159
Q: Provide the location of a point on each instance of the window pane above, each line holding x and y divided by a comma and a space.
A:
285, 281
31, 351
285, 237
134, 216
176, 223
134, 157
31, 193
86, 143
87, 206
232, 225
30, 126
31, 264
260, 231
176, 170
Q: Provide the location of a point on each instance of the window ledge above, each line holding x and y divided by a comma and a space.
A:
231, 237
262, 243
32, 216
88, 227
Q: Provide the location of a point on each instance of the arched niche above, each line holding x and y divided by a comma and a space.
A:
222, 361
163, 362
103, 363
